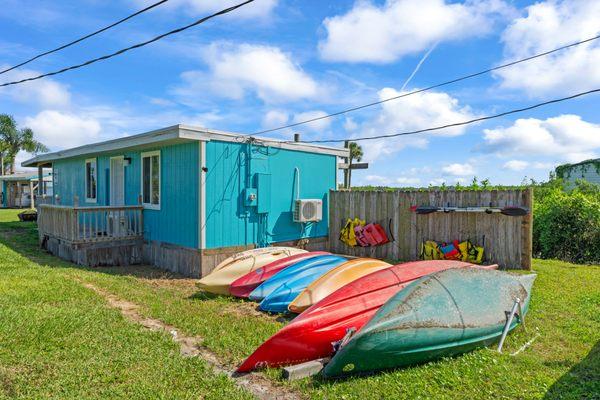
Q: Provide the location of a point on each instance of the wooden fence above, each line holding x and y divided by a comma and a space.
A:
507, 240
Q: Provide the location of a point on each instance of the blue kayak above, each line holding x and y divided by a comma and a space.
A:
282, 276
290, 285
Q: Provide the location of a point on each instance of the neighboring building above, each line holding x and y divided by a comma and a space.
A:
205, 194
16, 189
588, 170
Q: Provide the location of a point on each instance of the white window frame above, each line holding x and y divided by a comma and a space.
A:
95, 162
150, 154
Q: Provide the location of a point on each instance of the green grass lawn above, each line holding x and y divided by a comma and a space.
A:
59, 339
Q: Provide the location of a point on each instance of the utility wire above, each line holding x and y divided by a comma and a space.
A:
106, 57
462, 78
151, 6
471, 121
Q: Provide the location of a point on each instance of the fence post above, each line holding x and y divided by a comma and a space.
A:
527, 230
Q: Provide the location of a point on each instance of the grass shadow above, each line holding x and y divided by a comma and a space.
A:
22, 237
580, 382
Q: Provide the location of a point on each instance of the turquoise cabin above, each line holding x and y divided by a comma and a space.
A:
201, 195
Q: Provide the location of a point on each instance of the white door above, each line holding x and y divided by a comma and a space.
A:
117, 181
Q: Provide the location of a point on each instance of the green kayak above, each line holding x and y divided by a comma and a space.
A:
440, 315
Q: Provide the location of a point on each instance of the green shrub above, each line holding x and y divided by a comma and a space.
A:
567, 225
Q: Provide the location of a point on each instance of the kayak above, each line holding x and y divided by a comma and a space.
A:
441, 315
219, 280
243, 286
279, 299
249, 253
335, 279
268, 286
311, 335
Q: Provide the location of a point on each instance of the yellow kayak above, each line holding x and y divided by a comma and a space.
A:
335, 279
251, 252
219, 280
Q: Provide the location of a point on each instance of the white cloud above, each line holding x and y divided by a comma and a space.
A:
377, 180
275, 118
381, 34
565, 137
414, 112
544, 165
548, 25
407, 181
458, 169
319, 125
236, 70
258, 9
59, 130
516, 165
44, 92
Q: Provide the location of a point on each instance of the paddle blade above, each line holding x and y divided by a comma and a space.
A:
426, 210
514, 211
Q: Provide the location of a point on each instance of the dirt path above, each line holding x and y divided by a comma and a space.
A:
191, 346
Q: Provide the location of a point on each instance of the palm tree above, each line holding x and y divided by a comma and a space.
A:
13, 140
356, 153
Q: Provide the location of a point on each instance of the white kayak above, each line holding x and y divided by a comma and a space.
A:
234, 267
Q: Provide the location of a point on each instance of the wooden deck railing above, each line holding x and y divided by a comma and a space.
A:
91, 224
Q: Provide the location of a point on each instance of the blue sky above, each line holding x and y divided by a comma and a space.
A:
275, 62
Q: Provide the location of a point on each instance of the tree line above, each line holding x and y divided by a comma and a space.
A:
14, 139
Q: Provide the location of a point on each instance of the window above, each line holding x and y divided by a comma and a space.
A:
151, 180
91, 188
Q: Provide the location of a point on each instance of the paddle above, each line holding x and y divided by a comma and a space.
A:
511, 211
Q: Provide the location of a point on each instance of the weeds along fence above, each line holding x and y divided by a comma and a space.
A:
507, 240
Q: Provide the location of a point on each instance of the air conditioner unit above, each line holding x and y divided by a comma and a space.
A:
308, 210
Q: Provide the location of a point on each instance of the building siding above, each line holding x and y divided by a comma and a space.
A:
177, 220
586, 172
229, 222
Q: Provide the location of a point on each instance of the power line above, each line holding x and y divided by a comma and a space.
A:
462, 78
471, 121
106, 57
85, 37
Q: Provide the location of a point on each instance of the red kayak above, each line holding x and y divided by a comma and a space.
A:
242, 286
312, 334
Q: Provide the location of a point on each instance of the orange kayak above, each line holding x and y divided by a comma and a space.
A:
335, 279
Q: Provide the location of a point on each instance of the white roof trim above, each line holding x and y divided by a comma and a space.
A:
177, 132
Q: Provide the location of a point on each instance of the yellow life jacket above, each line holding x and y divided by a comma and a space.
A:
464, 248
431, 251
347, 234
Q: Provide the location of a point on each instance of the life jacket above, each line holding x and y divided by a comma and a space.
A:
465, 248
375, 234
476, 255
382, 234
361, 236
348, 232
431, 251
451, 251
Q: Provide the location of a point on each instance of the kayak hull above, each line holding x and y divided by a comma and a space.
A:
219, 280
312, 334
335, 279
440, 315
292, 285
293, 271
243, 286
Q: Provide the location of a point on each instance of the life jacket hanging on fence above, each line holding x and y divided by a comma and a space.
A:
348, 232
431, 251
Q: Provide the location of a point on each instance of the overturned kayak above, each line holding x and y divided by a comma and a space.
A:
219, 280
441, 315
268, 286
335, 279
243, 286
312, 334
279, 299
250, 253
